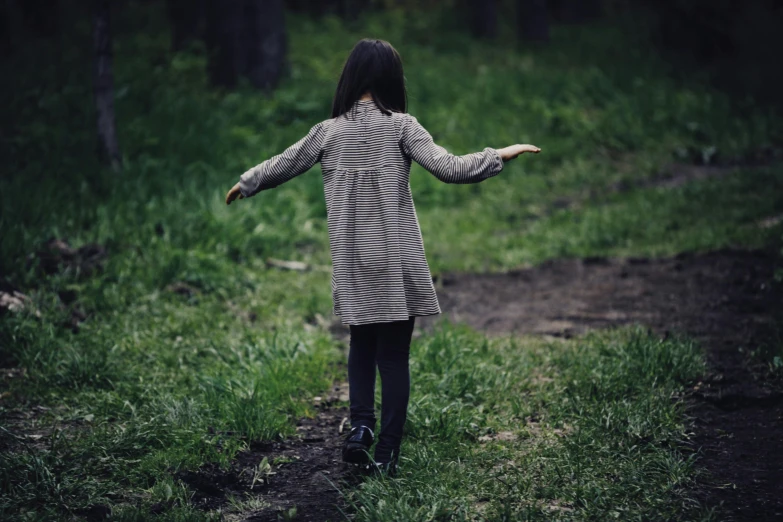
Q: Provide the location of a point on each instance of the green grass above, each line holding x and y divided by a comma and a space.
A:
697, 216
155, 381
523, 429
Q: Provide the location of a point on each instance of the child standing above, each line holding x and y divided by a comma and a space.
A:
381, 280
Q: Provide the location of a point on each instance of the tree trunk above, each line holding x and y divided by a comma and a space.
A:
186, 19
264, 42
532, 21
247, 38
576, 11
104, 85
5, 29
42, 16
484, 18
224, 26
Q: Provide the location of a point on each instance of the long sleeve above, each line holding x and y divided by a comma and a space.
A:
470, 168
295, 160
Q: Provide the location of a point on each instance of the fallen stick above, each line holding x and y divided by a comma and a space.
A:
294, 265
288, 265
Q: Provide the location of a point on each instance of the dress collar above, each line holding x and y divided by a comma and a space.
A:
365, 104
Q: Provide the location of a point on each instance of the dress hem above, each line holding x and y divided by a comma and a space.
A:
385, 319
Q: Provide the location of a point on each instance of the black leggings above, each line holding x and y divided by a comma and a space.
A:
388, 346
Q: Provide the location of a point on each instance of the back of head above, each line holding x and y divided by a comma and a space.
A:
373, 66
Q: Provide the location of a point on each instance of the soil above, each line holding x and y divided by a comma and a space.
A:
307, 472
672, 176
57, 255
725, 299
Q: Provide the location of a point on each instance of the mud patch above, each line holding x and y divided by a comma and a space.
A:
672, 176
36, 428
56, 255
678, 174
724, 299
698, 294
297, 478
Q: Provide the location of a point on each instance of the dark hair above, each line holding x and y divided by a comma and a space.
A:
374, 66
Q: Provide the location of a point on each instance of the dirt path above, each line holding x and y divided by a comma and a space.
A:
307, 472
724, 299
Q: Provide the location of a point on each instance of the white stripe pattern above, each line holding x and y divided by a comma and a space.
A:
380, 273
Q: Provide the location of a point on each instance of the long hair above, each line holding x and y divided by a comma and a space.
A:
373, 66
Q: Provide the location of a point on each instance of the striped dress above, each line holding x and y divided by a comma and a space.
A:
380, 273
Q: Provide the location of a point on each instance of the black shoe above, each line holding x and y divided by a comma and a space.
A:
356, 449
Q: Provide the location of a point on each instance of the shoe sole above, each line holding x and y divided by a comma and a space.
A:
371, 469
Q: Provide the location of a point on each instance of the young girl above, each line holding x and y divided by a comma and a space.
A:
381, 280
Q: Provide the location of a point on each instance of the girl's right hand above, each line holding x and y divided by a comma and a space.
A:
512, 151
233, 194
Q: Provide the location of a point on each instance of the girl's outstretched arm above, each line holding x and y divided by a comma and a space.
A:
470, 168
295, 160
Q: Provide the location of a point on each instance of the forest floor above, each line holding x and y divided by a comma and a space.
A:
155, 363
723, 299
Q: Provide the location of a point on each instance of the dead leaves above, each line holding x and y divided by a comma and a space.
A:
531, 432
15, 301
57, 255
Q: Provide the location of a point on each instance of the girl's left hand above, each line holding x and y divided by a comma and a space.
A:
233, 194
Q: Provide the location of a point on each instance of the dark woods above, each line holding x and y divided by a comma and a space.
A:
247, 38
104, 84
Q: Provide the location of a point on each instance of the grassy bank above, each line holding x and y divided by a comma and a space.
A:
522, 429
193, 346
